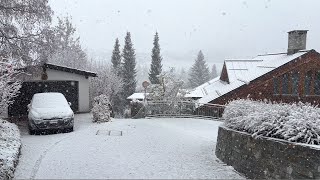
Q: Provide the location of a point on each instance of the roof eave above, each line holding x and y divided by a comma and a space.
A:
70, 70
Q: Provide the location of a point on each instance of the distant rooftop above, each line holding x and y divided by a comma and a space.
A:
241, 72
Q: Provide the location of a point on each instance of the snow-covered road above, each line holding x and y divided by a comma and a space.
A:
148, 148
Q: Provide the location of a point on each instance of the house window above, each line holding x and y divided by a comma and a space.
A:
317, 83
307, 83
295, 83
285, 84
275, 86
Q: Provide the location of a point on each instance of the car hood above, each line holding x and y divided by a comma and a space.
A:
50, 113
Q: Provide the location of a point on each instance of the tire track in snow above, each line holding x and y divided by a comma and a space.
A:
36, 167
38, 162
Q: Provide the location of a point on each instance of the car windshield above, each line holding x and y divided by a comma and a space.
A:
49, 100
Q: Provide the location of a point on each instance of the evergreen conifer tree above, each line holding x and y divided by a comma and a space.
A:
199, 72
118, 103
128, 69
214, 73
116, 56
156, 66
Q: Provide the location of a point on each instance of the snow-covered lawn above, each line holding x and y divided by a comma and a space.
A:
148, 148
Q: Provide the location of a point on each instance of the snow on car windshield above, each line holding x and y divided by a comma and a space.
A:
49, 100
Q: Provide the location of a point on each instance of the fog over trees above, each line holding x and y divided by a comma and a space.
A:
28, 37
67, 49
199, 72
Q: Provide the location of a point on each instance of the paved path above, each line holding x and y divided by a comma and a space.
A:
125, 148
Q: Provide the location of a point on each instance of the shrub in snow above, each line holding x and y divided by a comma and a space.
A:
10, 144
108, 82
127, 112
292, 122
136, 107
9, 86
166, 96
101, 109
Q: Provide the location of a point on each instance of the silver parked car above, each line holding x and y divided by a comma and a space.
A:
50, 111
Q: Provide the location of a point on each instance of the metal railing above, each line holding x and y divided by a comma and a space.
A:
183, 109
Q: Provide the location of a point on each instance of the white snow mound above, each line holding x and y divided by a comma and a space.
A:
10, 144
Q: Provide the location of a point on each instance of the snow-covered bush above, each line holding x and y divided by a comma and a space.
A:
169, 89
136, 106
108, 83
10, 144
292, 122
166, 97
9, 86
127, 112
101, 109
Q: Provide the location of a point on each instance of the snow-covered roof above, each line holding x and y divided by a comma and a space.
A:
240, 72
136, 96
70, 70
200, 91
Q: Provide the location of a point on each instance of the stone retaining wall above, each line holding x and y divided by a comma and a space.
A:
267, 157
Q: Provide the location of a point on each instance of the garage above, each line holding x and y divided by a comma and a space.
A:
68, 88
72, 83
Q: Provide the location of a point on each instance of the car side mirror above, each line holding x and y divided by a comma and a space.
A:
29, 106
69, 103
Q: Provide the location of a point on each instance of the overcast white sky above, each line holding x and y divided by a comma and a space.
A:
220, 28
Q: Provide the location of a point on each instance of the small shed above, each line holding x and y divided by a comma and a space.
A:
72, 83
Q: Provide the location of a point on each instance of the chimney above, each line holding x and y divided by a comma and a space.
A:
297, 41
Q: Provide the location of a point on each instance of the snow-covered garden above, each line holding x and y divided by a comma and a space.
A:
292, 122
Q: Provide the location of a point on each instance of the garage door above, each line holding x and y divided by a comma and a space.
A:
70, 89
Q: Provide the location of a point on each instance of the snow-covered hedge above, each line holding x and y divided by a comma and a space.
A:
10, 144
101, 109
292, 122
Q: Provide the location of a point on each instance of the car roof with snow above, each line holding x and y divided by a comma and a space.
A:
49, 99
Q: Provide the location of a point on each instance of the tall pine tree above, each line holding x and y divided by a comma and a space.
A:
116, 56
156, 66
213, 73
128, 68
199, 72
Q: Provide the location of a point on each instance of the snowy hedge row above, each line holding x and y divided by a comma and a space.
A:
10, 144
293, 122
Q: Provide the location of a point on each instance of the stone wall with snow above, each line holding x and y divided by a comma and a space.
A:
267, 157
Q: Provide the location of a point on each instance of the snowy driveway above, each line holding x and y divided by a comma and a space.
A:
148, 148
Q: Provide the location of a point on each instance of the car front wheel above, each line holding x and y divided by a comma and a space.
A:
69, 129
31, 131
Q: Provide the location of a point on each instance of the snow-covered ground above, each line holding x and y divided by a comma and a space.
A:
148, 148
9, 148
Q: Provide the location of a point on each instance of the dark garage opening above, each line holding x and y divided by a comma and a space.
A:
70, 89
